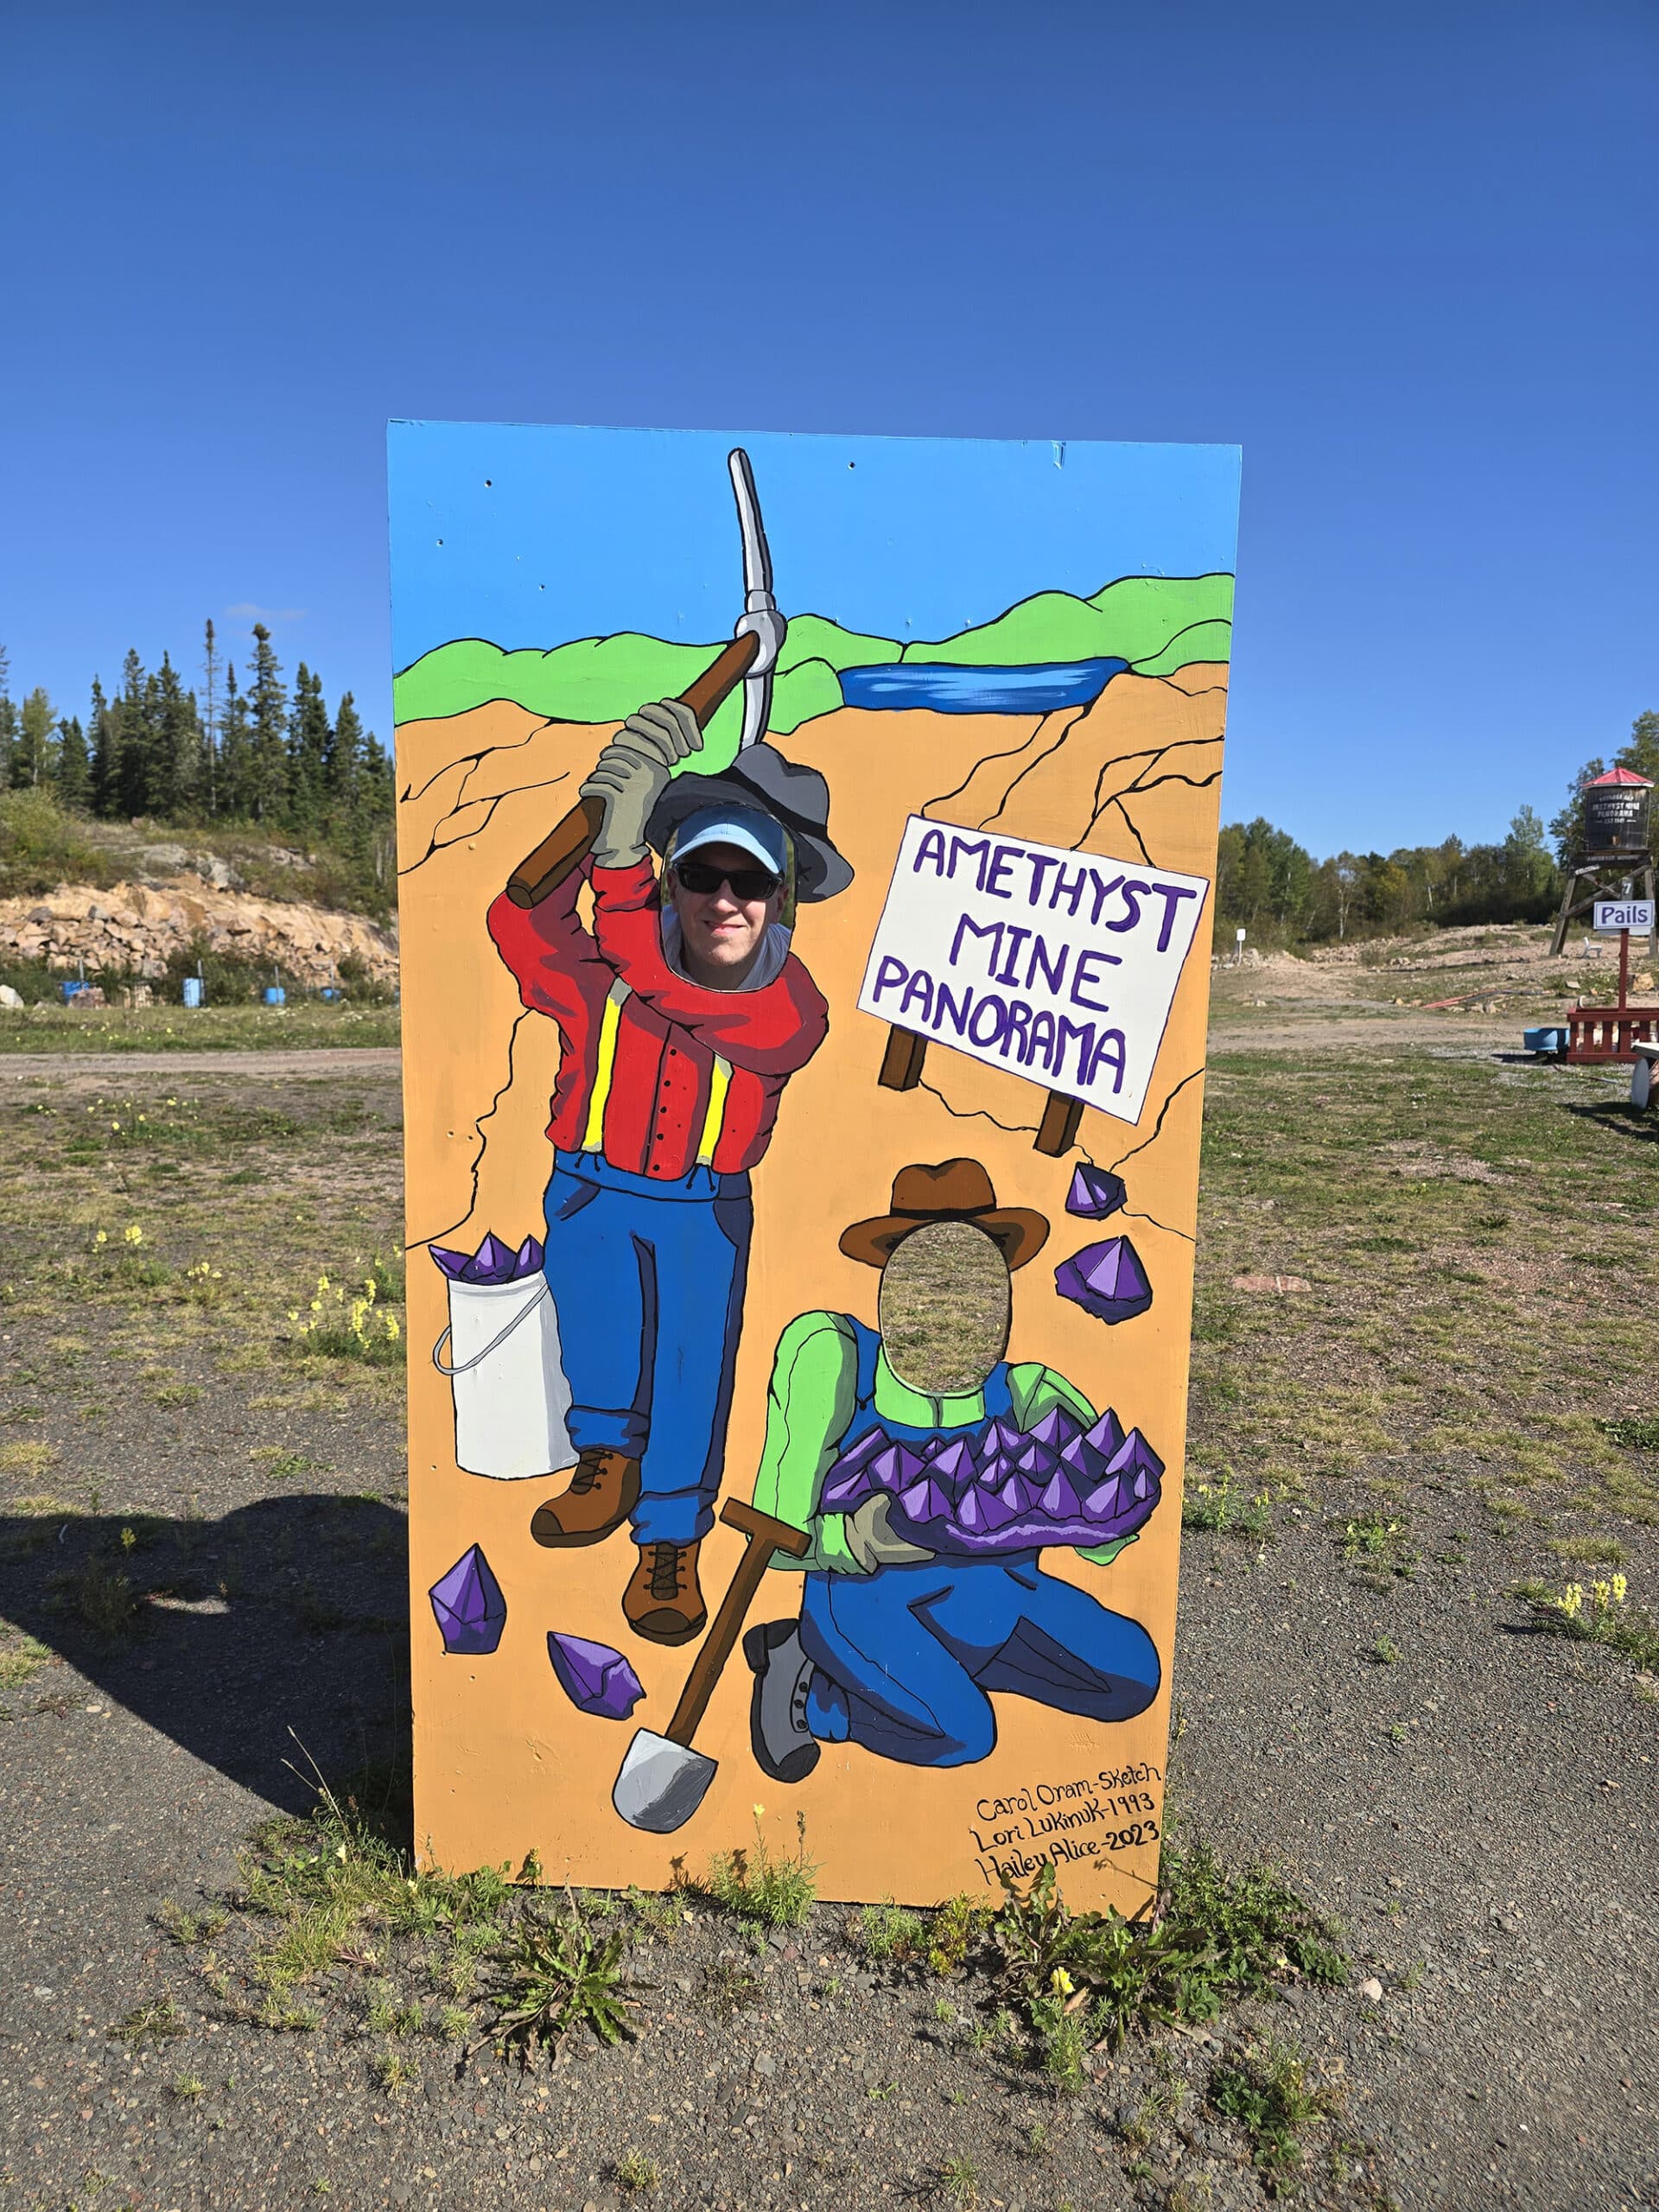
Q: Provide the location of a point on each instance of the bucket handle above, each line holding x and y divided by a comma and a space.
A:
495, 1343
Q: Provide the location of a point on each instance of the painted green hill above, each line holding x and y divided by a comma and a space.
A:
1158, 623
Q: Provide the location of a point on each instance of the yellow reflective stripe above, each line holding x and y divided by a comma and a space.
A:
592, 1134
719, 1083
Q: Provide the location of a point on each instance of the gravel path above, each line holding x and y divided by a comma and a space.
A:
105, 1067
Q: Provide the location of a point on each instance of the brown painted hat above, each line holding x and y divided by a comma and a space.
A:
957, 1190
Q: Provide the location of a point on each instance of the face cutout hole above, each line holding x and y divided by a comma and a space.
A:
944, 1309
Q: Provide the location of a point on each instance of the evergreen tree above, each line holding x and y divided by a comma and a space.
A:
268, 733
32, 760
175, 741
235, 764
309, 742
1642, 753
207, 773
8, 722
104, 724
74, 770
133, 711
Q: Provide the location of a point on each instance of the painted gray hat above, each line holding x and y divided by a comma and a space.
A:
760, 778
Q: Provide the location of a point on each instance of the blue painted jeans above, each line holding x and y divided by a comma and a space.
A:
647, 1280
904, 1659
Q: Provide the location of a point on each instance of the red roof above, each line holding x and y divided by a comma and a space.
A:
1619, 776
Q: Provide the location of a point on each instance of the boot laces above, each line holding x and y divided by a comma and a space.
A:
589, 1468
665, 1571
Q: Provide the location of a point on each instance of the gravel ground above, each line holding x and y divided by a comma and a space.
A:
1478, 1806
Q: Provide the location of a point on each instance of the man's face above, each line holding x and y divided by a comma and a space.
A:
720, 933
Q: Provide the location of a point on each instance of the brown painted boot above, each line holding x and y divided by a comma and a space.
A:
603, 1491
663, 1601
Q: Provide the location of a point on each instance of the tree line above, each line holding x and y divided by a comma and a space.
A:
229, 751
1281, 894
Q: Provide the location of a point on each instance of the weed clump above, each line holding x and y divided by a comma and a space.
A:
556, 1976
1085, 1981
758, 1884
1266, 2090
359, 1328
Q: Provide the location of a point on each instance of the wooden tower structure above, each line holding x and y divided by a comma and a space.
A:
1617, 850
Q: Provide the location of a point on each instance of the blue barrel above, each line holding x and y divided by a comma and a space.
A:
72, 988
275, 995
193, 990
328, 993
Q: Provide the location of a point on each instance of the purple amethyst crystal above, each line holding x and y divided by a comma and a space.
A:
1006, 1436
895, 1468
981, 1512
1106, 1280
924, 1501
1094, 1193
860, 1454
994, 1471
1056, 1429
492, 1263
594, 1678
1036, 1463
1017, 1494
1060, 1501
1138, 1465
468, 1602
844, 1487
952, 1466
1101, 1503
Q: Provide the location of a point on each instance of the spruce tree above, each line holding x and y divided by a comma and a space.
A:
207, 773
134, 709
105, 723
344, 776
309, 742
235, 765
7, 723
74, 770
268, 733
176, 742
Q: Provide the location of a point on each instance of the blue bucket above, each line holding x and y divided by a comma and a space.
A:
328, 993
275, 995
72, 987
193, 990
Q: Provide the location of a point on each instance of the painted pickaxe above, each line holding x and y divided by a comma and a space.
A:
748, 660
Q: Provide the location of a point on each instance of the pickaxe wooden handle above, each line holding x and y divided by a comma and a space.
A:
766, 1537
543, 870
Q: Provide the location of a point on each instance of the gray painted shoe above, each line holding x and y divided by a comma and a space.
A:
784, 1747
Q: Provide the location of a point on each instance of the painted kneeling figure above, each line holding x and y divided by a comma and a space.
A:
898, 1648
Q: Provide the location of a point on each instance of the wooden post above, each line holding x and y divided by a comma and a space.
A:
901, 1063
1057, 1131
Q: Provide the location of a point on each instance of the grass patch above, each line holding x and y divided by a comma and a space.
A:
25, 1459
758, 1884
155, 2022
1635, 1432
1220, 1506
1600, 1614
22, 1657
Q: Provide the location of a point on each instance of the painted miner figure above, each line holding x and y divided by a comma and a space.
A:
681, 1014
898, 1644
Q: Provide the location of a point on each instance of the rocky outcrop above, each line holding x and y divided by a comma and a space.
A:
134, 927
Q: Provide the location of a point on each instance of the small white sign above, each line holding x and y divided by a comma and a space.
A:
1613, 915
1239, 934
1058, 966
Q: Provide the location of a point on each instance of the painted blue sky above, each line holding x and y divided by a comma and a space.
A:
531, 536
1405, 258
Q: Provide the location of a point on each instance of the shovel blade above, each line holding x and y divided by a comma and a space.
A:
661, 1783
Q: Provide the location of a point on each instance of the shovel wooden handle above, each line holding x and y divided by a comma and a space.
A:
568, 845
766, 1537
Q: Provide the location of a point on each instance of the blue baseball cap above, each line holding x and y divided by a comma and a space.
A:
747, 829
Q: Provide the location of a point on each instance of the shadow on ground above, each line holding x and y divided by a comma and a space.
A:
274, 1635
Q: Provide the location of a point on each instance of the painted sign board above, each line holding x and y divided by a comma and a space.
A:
1613, 915
719, 757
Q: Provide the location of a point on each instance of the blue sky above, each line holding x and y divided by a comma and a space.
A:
1403, 258
531, 535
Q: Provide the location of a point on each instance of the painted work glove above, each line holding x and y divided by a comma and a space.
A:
873, 1543
632, 774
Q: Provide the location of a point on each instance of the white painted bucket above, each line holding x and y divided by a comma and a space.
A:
511, 1396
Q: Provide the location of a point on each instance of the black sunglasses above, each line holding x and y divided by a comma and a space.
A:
703, 876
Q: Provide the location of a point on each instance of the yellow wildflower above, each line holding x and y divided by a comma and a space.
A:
132, 1234
1621, 1588
1061, 1982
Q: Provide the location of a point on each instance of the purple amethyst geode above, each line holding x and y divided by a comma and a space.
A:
1107, 1280
468, 1606
1000, 1490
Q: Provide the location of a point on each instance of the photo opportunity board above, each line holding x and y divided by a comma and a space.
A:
688, 1550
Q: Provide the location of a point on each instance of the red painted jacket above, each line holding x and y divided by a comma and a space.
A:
657, 1073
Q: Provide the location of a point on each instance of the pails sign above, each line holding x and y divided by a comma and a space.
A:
1058, 966
1613, 915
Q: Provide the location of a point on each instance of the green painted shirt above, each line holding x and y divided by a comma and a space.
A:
810, 1403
